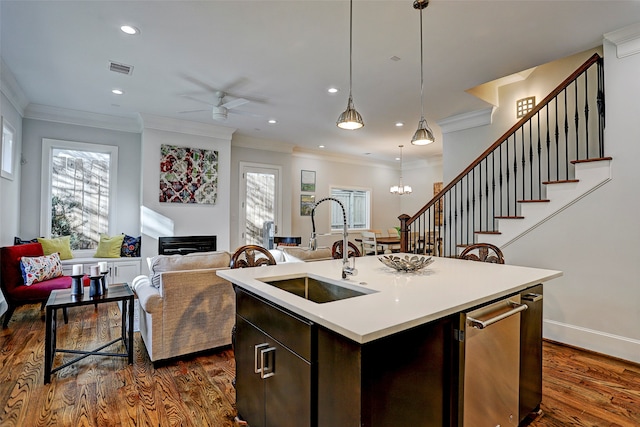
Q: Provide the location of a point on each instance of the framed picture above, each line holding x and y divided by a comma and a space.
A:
8, 148
188, 175
308, 180
307, 201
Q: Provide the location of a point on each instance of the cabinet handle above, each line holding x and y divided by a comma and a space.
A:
268, 370
258, 367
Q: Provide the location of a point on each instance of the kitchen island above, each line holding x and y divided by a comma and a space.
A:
389, 350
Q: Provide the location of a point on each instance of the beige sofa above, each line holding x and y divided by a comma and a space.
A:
184, 306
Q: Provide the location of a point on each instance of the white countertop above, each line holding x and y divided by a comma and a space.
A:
397, 301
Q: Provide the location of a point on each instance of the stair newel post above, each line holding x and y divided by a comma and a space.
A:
404, 233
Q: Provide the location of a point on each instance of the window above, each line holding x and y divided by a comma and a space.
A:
78, 191
6, 168
357, 204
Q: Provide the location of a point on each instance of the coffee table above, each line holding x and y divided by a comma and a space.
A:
62, 299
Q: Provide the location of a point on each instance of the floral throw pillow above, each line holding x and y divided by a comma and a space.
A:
40, 268
130, 246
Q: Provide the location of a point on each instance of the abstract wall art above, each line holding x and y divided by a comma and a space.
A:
188, 175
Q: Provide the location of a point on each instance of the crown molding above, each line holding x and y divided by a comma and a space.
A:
467, 120
82, 118
244, 141
186, 127
11, 89
626, 40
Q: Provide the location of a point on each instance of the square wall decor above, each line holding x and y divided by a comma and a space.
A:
524, 105
188, 175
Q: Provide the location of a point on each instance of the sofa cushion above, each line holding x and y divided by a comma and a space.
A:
130, 246
306, 254
40, 268
109, 246
10, 256
62, 245
41, 291
193, 261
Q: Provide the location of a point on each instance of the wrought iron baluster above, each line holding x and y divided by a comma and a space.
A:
508, 173
524, 166
548, 147
493, 188
601, 107
557, 134
566, 136
500, 180
539, 159
586, 113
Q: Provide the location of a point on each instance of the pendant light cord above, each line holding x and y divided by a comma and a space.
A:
421, 69
350, 48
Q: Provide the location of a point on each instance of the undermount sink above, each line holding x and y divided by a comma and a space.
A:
313, 289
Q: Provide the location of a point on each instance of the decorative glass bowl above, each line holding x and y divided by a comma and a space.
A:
406, 263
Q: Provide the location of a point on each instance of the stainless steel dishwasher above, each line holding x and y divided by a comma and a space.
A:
492, 364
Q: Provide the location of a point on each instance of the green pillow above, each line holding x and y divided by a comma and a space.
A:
61, 245
109, 247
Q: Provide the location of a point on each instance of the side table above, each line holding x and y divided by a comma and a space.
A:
62, 299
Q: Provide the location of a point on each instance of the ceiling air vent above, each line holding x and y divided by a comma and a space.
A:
120, 68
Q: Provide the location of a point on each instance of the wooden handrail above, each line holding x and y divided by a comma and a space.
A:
562, 86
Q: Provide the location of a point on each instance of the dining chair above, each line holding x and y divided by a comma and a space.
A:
393, 232
336, 250
251, 256
370, 243
486, 253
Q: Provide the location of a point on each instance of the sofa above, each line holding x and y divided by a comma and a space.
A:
184, 306
12, 283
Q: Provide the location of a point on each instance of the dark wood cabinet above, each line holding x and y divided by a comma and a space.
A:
274, 382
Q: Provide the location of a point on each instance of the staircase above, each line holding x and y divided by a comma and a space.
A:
550, 159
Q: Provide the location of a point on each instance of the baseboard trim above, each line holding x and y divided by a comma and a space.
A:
597, 341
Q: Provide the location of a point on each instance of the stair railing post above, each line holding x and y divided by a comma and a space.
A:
404, 233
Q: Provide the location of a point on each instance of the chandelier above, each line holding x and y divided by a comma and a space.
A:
400, 189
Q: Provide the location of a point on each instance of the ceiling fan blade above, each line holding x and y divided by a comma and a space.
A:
235, 103
245, 113
196, 99
191, 111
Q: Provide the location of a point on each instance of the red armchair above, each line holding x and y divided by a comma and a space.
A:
12, 284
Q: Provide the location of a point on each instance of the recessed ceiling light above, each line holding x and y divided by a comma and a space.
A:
332, 90
128, 29
399, 124
117, 91
273, 121
398, 158
320, 146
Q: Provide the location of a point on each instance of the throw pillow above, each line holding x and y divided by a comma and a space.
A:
109, 246
41, 268
130, 246
19, 241
62, 245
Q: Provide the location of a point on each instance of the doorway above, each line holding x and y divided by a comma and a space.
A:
260, 202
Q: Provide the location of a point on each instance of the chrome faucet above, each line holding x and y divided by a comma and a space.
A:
347, 270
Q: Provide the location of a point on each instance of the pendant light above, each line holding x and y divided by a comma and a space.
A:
423, 135
400, 189
350, 119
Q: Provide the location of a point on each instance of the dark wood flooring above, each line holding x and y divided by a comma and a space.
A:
580, 388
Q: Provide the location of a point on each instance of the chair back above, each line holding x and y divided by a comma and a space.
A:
10, 272
336, 250
393, 232
486, 253
369, 243
251, 256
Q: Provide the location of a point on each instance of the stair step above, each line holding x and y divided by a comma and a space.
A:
487, 232
564, 181
596, 159
508, 217
534, 201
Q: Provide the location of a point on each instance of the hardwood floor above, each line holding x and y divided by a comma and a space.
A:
580, 388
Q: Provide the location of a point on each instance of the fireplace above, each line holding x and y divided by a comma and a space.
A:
181, 245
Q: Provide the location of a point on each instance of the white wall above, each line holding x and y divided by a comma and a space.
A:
128, 191
10, 189
594, 242
188, 219
348, 172
264, 152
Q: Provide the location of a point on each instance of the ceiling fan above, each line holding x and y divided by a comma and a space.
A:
220, 108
